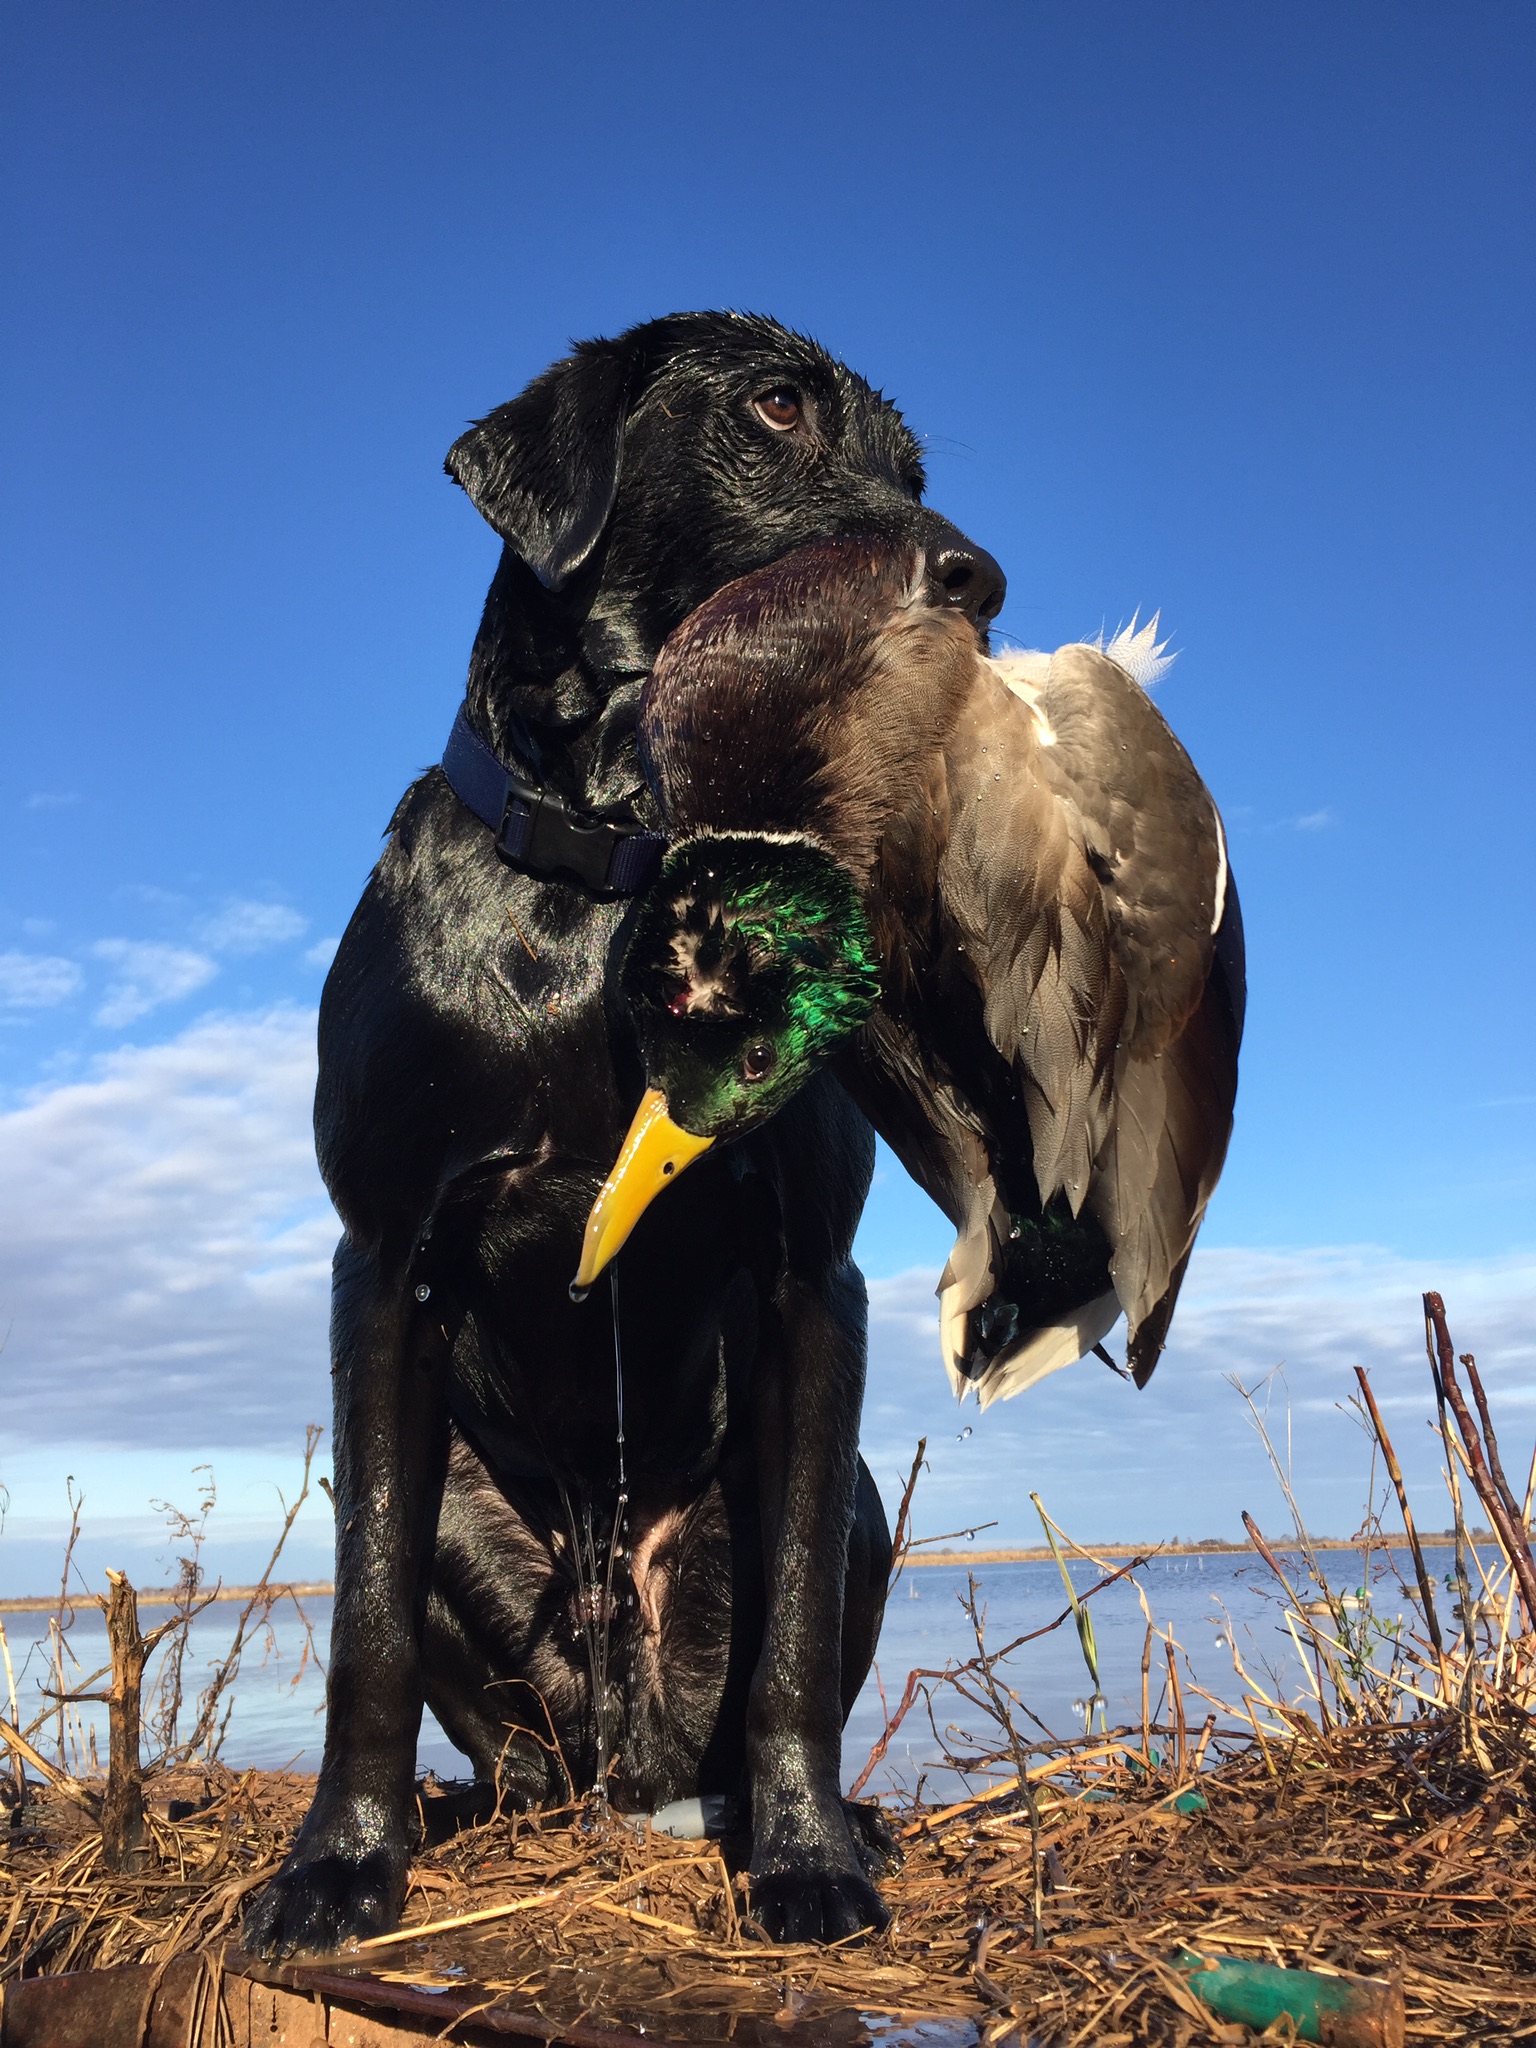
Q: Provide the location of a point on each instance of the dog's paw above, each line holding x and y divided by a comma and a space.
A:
816, 1906
873, 1838
452, 1809
319, 1901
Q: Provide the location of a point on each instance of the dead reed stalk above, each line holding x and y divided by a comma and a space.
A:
1395, 1473
122, 1806
1497, 1501
1386, 1844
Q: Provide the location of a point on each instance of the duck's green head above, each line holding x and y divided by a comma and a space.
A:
751, 962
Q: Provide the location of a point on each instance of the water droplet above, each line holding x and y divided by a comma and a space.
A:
960, 1439
578, 1293
423, 1292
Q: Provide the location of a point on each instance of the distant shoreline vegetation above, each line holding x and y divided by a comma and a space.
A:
1209, 1546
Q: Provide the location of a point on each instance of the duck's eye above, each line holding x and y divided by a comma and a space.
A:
779, 408
758, 1063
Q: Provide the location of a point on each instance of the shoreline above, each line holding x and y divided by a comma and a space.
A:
1282, 1547
323, 1589
168, 1596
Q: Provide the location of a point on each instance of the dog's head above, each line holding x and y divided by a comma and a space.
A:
638, 475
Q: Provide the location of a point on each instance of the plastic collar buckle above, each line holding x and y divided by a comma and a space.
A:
540, 833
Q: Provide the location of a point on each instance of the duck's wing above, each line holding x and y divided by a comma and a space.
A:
1022, 930
1154, 838
1085, 882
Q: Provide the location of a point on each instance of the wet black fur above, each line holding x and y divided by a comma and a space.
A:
476, 1078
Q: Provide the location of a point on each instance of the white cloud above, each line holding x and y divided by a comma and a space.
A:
121, 1526
1181, 1457
322, 952
150, 894
36, 981
149, 974
52, 799
1245, 819
165, 1245
243, 926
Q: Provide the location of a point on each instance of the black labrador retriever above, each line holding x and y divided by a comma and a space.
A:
693, 1609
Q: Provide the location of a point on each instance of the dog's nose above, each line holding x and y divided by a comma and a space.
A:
963, 575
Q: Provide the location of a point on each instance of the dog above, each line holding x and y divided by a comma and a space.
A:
662, 1578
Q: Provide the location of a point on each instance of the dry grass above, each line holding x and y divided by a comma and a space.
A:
1356, 1850
1386, 1825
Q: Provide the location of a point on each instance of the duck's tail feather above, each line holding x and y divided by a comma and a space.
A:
1048, 1350
968, 1279
1139, 652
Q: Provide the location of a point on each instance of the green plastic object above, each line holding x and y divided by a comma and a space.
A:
1177, 1802
1344, 2012
1188, 1802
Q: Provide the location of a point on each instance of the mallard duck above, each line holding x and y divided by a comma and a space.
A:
993, 889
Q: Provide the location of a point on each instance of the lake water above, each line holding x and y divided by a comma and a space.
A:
1208, 1601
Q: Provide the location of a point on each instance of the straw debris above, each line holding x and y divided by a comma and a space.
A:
1383, 1825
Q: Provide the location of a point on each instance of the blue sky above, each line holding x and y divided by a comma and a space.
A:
1224, 311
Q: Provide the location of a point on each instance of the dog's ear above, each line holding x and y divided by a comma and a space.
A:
543, 469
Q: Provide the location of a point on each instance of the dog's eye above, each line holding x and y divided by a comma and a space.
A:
778, 408
758, 1063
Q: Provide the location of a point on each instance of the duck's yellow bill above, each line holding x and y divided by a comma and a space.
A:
653, 1154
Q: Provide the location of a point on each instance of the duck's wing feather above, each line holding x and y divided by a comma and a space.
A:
1085, 883
1153, 835
1145, 822
1024, 919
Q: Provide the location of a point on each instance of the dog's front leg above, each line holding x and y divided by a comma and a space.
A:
808, 1881
345, 1875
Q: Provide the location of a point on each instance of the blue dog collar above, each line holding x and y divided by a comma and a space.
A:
538, 831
